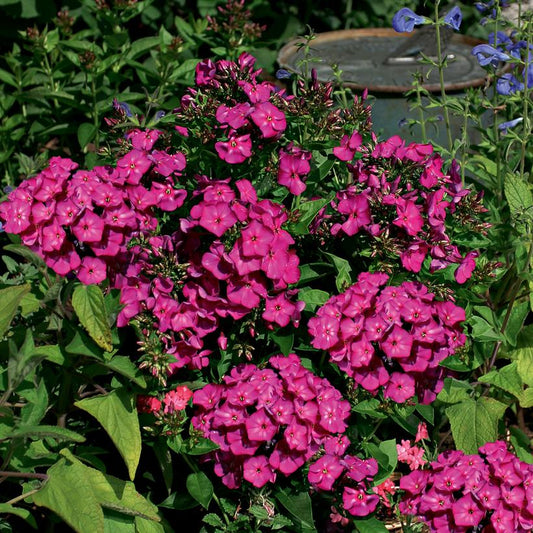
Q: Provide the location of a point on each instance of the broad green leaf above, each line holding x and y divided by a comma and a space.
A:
142, 525
516, 321
79, 494
214, 520
370, 407
35, 409
25, 252
141, 46
6, 508
370, 525
41, 431
307, 211
86, 133
506, 378
518, 194
521, 445
125, 366
117, 414
300, 507
524, 359
343, 267
526, 398
201, 447
454, 391
427, 411
313, 298
81, 344
118, 523
70, 495
200, 488
284, 342
475, 422
482, 331
11, 298
88, 302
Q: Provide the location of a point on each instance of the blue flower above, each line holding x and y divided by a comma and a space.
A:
507, 84
283, 74
159, 115
405, 20
123, 107
488, 55
504, 126
454, 18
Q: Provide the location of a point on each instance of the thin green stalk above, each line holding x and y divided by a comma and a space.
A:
96, 118
525, 109
421, 111
440, 64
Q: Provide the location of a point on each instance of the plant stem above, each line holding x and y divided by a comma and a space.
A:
440, 64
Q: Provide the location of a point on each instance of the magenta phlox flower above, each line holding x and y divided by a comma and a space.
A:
409, 217
357, 502
358, 210
235, 117
293, 166
466, 267
235, 150
325, 471
400, 387
256, 92
269, 119
215, 217
397, 344
92, 270
133, 166
348, 147
260, 426
205, 73
258, 471
467, 511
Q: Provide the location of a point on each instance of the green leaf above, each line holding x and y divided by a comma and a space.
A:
200, 488
475, 422
32, 257
454, 391
10, 298
141, 46
526, 398
506, 378
213, 520
370, 407
142, 525
427, 411
524, 360
125, 366
88, 302
201, 447
518, 195
6, 508
86, 133
41, 431
521, 445
69, 494
117, 414
516, 321
370, 525
482, 331
313, 298
79, 494
307, 211
300, 507
284, 342
343, 279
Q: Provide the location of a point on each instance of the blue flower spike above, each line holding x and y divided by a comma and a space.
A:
504, 126
488, 55
454, 18
405, 20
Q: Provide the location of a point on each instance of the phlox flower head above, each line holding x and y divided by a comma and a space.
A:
392, 337
288, 413
487, 491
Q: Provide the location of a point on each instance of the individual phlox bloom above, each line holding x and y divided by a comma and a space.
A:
235, 150
384, 489
167, 164
52, 236
215, 217
89, 227
400, 387
467, 511
143, 139
325, 471
92, 270
360, 469
133, 166
397, 343
260, 426
421, 432
257, 92
357, 502
280, 310
358, 210
348, 147
177, 399
466, 267
324, 332
234, 116
292, 168
167, 197
269, 119
409, 217
148, 404
256, 239
258, 472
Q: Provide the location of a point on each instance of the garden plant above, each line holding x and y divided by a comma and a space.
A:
228, 305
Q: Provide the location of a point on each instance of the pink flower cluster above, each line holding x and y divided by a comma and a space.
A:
491, 492
81, 222
400, 199
174, 400
270, 420
230, 257
249, 115
389, 336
